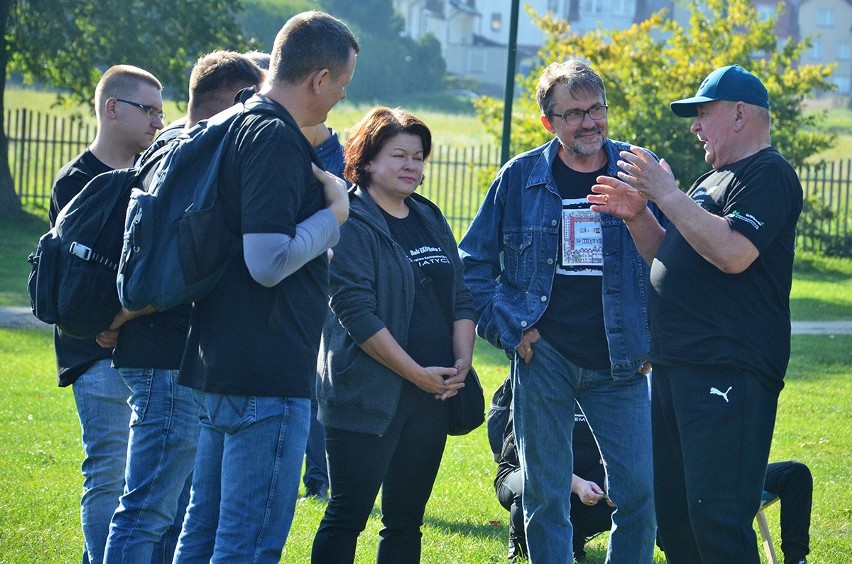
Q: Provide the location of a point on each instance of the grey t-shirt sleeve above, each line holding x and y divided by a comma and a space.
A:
271, 257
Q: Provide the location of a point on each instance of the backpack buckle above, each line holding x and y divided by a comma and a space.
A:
81, 251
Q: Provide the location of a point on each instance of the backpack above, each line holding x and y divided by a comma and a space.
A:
499, 420
176, 243
72, 282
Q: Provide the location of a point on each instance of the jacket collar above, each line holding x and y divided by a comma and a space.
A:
364, 207
542, 172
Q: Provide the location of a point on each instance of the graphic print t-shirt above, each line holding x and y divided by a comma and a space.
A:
430, 331
573, 321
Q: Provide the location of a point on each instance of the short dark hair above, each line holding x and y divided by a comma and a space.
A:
308, 42
122, 81
259, 58
367, 138
218, 70
575, 74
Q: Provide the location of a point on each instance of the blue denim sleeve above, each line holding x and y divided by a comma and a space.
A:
330, 153
480, 250
463, 301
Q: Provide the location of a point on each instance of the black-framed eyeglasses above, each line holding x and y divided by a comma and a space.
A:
576, 117
150, 110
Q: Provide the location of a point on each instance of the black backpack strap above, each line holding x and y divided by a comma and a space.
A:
258, 104
86, 253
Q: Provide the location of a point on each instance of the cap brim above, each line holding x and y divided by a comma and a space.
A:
687, 106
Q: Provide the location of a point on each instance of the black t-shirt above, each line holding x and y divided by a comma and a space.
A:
430, 334
153, 341
573, 321
700, 315
587, 456
244, 338
74, 356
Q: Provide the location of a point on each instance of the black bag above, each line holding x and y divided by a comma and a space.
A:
467, 408
499, 417
177, 244
72, 282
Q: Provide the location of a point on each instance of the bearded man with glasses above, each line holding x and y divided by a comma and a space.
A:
562, 290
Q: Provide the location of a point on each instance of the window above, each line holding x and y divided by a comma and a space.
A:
825, 18
816, 51
553, 5
613, 7
622, 7
435, 6
592, 7
844, 51
496, 22
843, 84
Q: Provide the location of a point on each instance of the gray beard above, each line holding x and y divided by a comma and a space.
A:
581, 150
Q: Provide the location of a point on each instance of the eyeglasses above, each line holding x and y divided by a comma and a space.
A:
576, 117
150, 110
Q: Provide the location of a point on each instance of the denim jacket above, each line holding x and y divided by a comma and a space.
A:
330, 153
510, 257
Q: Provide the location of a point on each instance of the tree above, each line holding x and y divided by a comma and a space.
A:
68, 43
390, 65
657, 61
261, 20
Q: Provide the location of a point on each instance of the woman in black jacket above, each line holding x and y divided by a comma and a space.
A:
398, 345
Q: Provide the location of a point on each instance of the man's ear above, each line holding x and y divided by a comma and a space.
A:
741, 116
109, 107
320, 78
548, 125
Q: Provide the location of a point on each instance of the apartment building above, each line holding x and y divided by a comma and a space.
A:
474, 34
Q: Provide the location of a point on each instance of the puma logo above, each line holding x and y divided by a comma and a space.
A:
716, 392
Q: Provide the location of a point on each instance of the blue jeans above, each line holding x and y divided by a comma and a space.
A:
619, 413
246, 478
101, 399
316, 466
163, 436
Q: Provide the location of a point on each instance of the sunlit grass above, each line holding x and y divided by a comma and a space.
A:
40, 457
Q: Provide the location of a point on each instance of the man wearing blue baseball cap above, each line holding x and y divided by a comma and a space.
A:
719, 314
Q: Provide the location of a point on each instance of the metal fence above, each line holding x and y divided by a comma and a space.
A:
456, 177
39, 144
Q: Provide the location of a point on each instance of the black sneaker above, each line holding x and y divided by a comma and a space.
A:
315, 490
517, 548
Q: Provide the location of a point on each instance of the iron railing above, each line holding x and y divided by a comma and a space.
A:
456, 177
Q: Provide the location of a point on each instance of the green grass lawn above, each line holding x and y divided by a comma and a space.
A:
453, 129
839, 121
822, 287
40, 458
40, 450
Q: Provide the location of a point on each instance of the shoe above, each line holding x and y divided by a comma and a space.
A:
579, 549
315, 490
517, 548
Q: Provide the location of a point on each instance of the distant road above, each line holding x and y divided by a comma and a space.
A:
22, 318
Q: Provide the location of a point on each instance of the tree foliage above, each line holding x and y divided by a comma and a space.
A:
261, 20
657, 61
67, 44
390, 65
